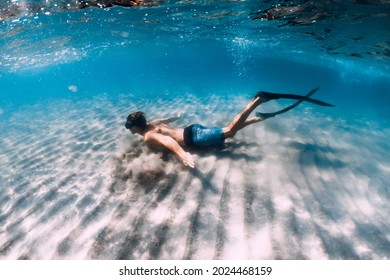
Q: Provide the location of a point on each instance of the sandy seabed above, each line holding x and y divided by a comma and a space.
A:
77, 185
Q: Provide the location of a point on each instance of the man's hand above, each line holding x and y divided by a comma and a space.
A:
188, 160
170, 143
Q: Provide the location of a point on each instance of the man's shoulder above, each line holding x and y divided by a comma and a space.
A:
151, 135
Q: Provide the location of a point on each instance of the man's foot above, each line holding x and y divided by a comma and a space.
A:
264, 116
266, 96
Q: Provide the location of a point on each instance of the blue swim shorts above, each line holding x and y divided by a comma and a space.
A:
199, 135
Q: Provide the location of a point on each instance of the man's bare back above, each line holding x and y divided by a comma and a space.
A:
164, 129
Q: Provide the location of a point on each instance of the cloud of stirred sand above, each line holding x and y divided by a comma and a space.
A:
135, 163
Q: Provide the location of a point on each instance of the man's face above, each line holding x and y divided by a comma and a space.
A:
130, 127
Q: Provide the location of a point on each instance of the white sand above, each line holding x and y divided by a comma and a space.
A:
77, 185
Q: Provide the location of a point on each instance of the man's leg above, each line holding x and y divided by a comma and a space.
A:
241, 120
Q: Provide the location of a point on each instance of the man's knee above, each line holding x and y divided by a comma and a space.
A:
229, 132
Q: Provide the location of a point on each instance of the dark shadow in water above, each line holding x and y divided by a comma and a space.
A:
249, 197
94, 214
197, 220
381, 184
193, 232
325, 199
7, 246
64, 246
134, 241
158, 238
232, 150
39, 204
102, 241
57, 208
223, 217
337, 247
318, 153
375, 237
322, 194
298, 229
165, 186
205, 180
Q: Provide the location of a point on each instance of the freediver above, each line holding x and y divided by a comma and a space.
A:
158, 132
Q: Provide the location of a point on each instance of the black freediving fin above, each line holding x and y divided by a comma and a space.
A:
269, 115
270, 96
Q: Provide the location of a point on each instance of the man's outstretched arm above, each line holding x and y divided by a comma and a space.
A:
167, 120
171, 144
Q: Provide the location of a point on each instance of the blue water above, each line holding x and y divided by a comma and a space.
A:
316, 179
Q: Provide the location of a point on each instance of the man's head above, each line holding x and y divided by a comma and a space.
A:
136, 122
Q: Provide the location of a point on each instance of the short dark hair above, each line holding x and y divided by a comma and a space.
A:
136, 119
